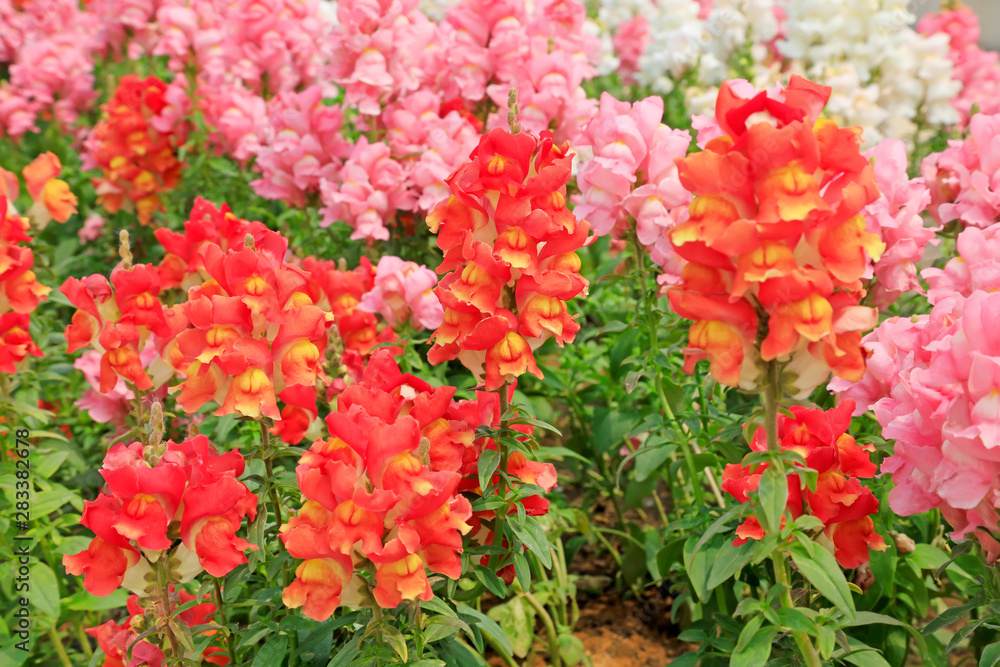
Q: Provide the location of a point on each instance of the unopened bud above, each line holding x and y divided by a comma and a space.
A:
248, 241
513, 111
156, 425
904, 543
125, 250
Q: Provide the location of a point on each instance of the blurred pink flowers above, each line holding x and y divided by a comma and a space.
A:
933, 382
402, 292
896, 218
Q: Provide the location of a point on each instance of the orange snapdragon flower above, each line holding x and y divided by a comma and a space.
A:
776, 242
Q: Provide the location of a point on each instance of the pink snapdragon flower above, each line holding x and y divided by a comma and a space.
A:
91, 230
237, 119
896, 218
628, 168
630, 41
965, 177
402, 292
370, 188
109, 408
977, 266
933, 382
303, 146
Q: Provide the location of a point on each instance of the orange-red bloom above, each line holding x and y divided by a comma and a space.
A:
510, 243
775, 241
137, 161
839, 501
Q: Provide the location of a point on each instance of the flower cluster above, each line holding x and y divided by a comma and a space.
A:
839, 500
630, 170
975, 69
384, 492
186, 502
123, 646
403, 291
20, 292
119, 319
776, 242
965, 177
509, 243
249, 330
49, 48
934, 387
137, 159
977, 266
895, 218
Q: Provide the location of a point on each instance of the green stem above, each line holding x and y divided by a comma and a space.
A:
84, 640
771, 393
272, 490
683, 439
501, 652
60, 649
230, 647
805, 645
550, 629
500, 520
163, 590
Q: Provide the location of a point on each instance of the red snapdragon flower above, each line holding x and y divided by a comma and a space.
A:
509, 243
137, 162
388, 487
118, 640
839, 501
20, 292
190, 501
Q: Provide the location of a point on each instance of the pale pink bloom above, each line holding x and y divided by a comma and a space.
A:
933, 382
17, 115
370, 188
977, 266
91, 229
237, 119
965, 177
303, 146
977, 70
110, 408
896, 218
403, 290
630, 40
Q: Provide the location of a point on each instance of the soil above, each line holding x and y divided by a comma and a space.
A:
623, 633
629, 633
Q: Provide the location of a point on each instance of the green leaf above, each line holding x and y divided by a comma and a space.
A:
990, 656
571, 649
757, 650
395, 639
533, 536
83, 600
517, 620
821, 569
488, 462
949, 616
729, 560
865, 618
272, 652
492, 582
772, 496
45, 590
796, 620
927, 557
485, 624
